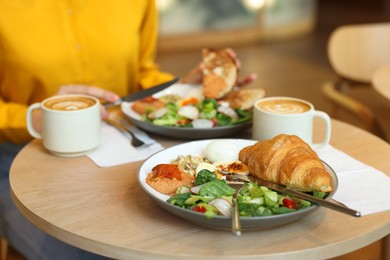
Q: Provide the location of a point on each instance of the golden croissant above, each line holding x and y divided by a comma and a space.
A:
287, 160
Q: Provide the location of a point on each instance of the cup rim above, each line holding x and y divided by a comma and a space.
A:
97, 102
285, 98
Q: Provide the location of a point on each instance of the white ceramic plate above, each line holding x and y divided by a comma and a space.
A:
184, 91
197, 148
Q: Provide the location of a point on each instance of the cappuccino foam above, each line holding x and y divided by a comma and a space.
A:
69, 103
283, 106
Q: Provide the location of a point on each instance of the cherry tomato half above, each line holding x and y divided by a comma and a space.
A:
200, 209
289, 203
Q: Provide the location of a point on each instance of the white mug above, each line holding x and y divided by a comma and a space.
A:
285, 115
70, 124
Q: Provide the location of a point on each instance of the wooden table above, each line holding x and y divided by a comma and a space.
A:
381, 81
103, 210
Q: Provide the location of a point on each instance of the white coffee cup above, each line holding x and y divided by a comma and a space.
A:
70, 124
285, 115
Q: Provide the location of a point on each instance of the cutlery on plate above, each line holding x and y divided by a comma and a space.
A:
142, 93
236, 224
285, 190
135, 141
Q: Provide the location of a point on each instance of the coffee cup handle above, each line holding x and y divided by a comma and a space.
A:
325, 117
30, 127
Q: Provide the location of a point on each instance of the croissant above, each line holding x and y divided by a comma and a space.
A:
287, 160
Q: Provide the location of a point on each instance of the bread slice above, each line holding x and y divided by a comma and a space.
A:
244, 98
219, 73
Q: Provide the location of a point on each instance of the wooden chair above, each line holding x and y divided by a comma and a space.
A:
331, 90
355, 52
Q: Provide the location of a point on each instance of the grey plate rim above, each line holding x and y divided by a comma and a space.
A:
191, 133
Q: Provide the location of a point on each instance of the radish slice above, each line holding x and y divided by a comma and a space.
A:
227, 111
202, 123
224, 103
196, 189
190, 112
158, 113
183, 189
223, 205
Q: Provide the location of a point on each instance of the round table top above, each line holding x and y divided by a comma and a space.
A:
104, 210
381, 81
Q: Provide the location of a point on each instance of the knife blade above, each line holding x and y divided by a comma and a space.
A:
300, 195
142, 93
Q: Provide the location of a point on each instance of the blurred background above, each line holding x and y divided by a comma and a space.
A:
283, 41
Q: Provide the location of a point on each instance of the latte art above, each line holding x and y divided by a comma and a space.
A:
70, 103
284, 106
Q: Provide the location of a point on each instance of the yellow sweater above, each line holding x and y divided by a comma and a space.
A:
48, 43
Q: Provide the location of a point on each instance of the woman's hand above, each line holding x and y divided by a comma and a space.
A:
92, 91
195, 76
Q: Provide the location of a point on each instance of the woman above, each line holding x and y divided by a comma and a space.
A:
102, 48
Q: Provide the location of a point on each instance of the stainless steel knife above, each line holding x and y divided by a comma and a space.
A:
285, 190
142, 93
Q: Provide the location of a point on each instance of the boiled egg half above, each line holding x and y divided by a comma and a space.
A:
221, 151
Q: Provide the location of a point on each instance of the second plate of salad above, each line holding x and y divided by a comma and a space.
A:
176, 121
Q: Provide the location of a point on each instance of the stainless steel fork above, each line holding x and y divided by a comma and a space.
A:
236, 224
135, 141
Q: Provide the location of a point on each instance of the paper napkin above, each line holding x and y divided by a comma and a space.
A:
115, 149
361, 187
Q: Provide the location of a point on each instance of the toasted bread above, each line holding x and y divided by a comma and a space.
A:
219, 73
244, 98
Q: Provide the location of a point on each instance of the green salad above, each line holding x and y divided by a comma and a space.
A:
213, 196
194, 113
